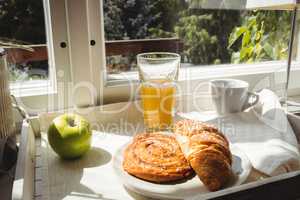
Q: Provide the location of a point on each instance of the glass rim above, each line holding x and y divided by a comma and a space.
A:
170, 56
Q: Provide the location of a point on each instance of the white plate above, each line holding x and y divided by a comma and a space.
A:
190, 188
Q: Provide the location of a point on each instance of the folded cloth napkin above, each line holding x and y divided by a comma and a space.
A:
263, 133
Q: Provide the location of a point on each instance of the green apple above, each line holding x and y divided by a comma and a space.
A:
70, 135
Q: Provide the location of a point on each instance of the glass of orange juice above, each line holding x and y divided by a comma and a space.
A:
158, 75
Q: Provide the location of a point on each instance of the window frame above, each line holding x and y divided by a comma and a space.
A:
46, 93
246, 72
77, 22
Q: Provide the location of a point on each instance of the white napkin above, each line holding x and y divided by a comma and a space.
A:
263, 133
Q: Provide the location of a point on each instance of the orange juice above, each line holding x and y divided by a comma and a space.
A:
158, 100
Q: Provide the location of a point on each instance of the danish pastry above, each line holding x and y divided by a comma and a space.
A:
156, 157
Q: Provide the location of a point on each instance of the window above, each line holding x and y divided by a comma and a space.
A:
77, 34
24, 22
39, 79
202, 36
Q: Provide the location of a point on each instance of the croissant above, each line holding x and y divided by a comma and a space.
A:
207, 151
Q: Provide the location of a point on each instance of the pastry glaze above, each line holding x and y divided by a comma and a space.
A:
207, 151
156, 157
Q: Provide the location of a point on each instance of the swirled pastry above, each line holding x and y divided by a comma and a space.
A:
156, 157
207, 151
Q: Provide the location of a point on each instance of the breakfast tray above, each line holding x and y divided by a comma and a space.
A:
40, 174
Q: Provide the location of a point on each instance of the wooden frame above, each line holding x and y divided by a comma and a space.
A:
125, 47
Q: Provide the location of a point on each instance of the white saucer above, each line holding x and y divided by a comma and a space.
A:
190, 188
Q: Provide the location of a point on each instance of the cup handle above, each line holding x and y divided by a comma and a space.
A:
249, 104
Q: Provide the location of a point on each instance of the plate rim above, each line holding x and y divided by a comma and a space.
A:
122, 174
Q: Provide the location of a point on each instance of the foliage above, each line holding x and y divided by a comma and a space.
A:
196, 37
23, 20
169, 13
160, 33
140, 19
129, 19
263, 35
138, 16
113, 25
203, 37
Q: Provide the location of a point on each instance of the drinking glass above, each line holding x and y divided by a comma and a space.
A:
158, 74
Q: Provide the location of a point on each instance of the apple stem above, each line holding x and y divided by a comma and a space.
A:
71, 122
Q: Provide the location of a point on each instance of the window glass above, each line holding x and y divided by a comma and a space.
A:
23, 22
203, 36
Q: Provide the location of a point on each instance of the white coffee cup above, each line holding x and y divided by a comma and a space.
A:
232, 95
